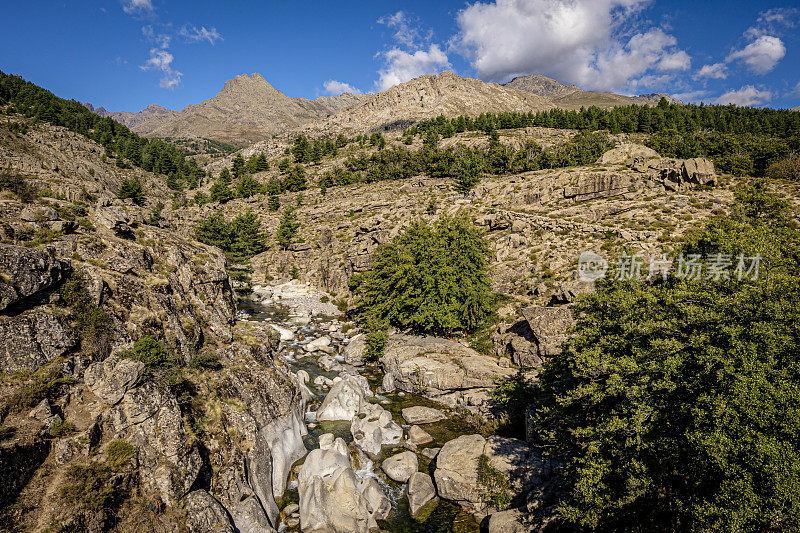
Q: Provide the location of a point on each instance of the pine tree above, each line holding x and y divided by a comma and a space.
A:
287, 230
237, 165
131, 189
274, 202
220, 191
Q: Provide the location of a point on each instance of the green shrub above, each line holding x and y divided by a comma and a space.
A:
495, 487
675, 402
7, 432
155, 356
375, 335
430, 278
88, 487
205, 359
287, 230
92, 322
11, 181
788, 169
240, 239
62, 429
119, 453
46, 382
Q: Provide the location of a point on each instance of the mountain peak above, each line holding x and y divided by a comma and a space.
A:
253, 84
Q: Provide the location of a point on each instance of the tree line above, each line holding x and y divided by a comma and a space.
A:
152, 155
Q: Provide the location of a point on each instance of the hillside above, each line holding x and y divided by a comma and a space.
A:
427, 97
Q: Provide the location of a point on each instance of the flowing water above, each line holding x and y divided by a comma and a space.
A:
442, 517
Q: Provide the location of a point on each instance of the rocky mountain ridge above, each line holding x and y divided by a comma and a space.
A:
250, 109
573, 97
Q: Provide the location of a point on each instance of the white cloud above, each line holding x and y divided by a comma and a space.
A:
161, 40
761, 55
335, 88
770, 21
162, 60
402, 66
137, 6
577, 41
194, 34
746, 96
679, 60
715, 71
407, 32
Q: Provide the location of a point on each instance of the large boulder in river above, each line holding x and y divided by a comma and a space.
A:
420, 490
332, 497
400, 467
25, 271
374, 428
456, 472
353, 353
418, 414
347, 397
438, 368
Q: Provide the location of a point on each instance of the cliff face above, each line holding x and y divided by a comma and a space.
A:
211, 423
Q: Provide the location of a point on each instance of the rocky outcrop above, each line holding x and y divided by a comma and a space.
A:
679, 174
456, 471
332, 497
34, 337
549, 327
440, 369
25, 272
628, 154
110, 379
204, 514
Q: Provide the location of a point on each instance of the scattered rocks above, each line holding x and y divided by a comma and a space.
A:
431, 453
400, 467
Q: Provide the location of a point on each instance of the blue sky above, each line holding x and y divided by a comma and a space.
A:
126, 54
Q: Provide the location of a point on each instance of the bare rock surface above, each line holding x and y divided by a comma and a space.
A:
374, 428
456, 471
400, 467
25, 272
419, 414
420, 491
